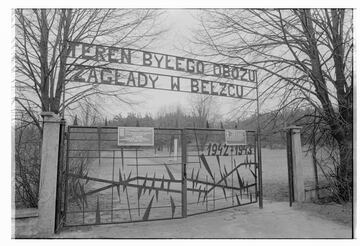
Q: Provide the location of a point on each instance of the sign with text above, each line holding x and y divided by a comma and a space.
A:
235, 137
123, 77
100, 64
116, 55
135, 136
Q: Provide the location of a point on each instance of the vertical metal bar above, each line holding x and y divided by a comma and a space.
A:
99, 144
256, 169
259, 144
137, 178
214, 191
232, 178
289, 160
83, 210
206, 188
292, 168
63, 95
59, 183
314, 159
183, 174
66, 172
112, 187
289, 165
122, 158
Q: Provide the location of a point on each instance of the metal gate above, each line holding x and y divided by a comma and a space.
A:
218, 175
186, 172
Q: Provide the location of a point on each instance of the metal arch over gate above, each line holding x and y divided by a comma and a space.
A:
186, 172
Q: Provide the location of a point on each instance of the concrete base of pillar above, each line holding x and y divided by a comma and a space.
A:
297, 161
48, 173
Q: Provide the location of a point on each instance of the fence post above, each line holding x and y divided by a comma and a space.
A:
183, 174
48, 173
297, 163
60, 177
290, 167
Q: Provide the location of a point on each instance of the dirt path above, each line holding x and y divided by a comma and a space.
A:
276, 220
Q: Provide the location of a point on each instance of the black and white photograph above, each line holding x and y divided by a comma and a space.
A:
190, 122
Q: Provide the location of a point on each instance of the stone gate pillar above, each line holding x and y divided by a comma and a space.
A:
297, 163
48, 173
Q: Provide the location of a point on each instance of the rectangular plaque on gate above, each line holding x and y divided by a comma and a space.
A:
235, 137
135, 136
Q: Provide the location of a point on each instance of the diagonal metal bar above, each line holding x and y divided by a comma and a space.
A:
223, 178
159, 179
126, 183
199, 190
216, 185
100, 189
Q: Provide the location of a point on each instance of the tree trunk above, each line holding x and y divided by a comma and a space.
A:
345, 169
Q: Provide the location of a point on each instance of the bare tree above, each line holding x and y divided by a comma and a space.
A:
304, 58
203, 109
42, 75
42, 37
89, 115
27, 147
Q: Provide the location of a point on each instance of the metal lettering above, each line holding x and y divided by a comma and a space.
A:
203, 87
147, 59
194, 86
175, 85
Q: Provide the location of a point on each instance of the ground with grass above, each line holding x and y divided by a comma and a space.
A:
275, 187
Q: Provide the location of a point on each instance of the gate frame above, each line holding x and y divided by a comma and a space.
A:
183, 174
184, 150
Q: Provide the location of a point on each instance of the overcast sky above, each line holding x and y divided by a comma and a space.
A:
180, 23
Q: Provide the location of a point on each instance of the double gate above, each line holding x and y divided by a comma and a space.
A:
186, 172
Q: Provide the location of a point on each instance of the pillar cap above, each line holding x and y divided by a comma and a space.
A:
50, 114
50, 117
